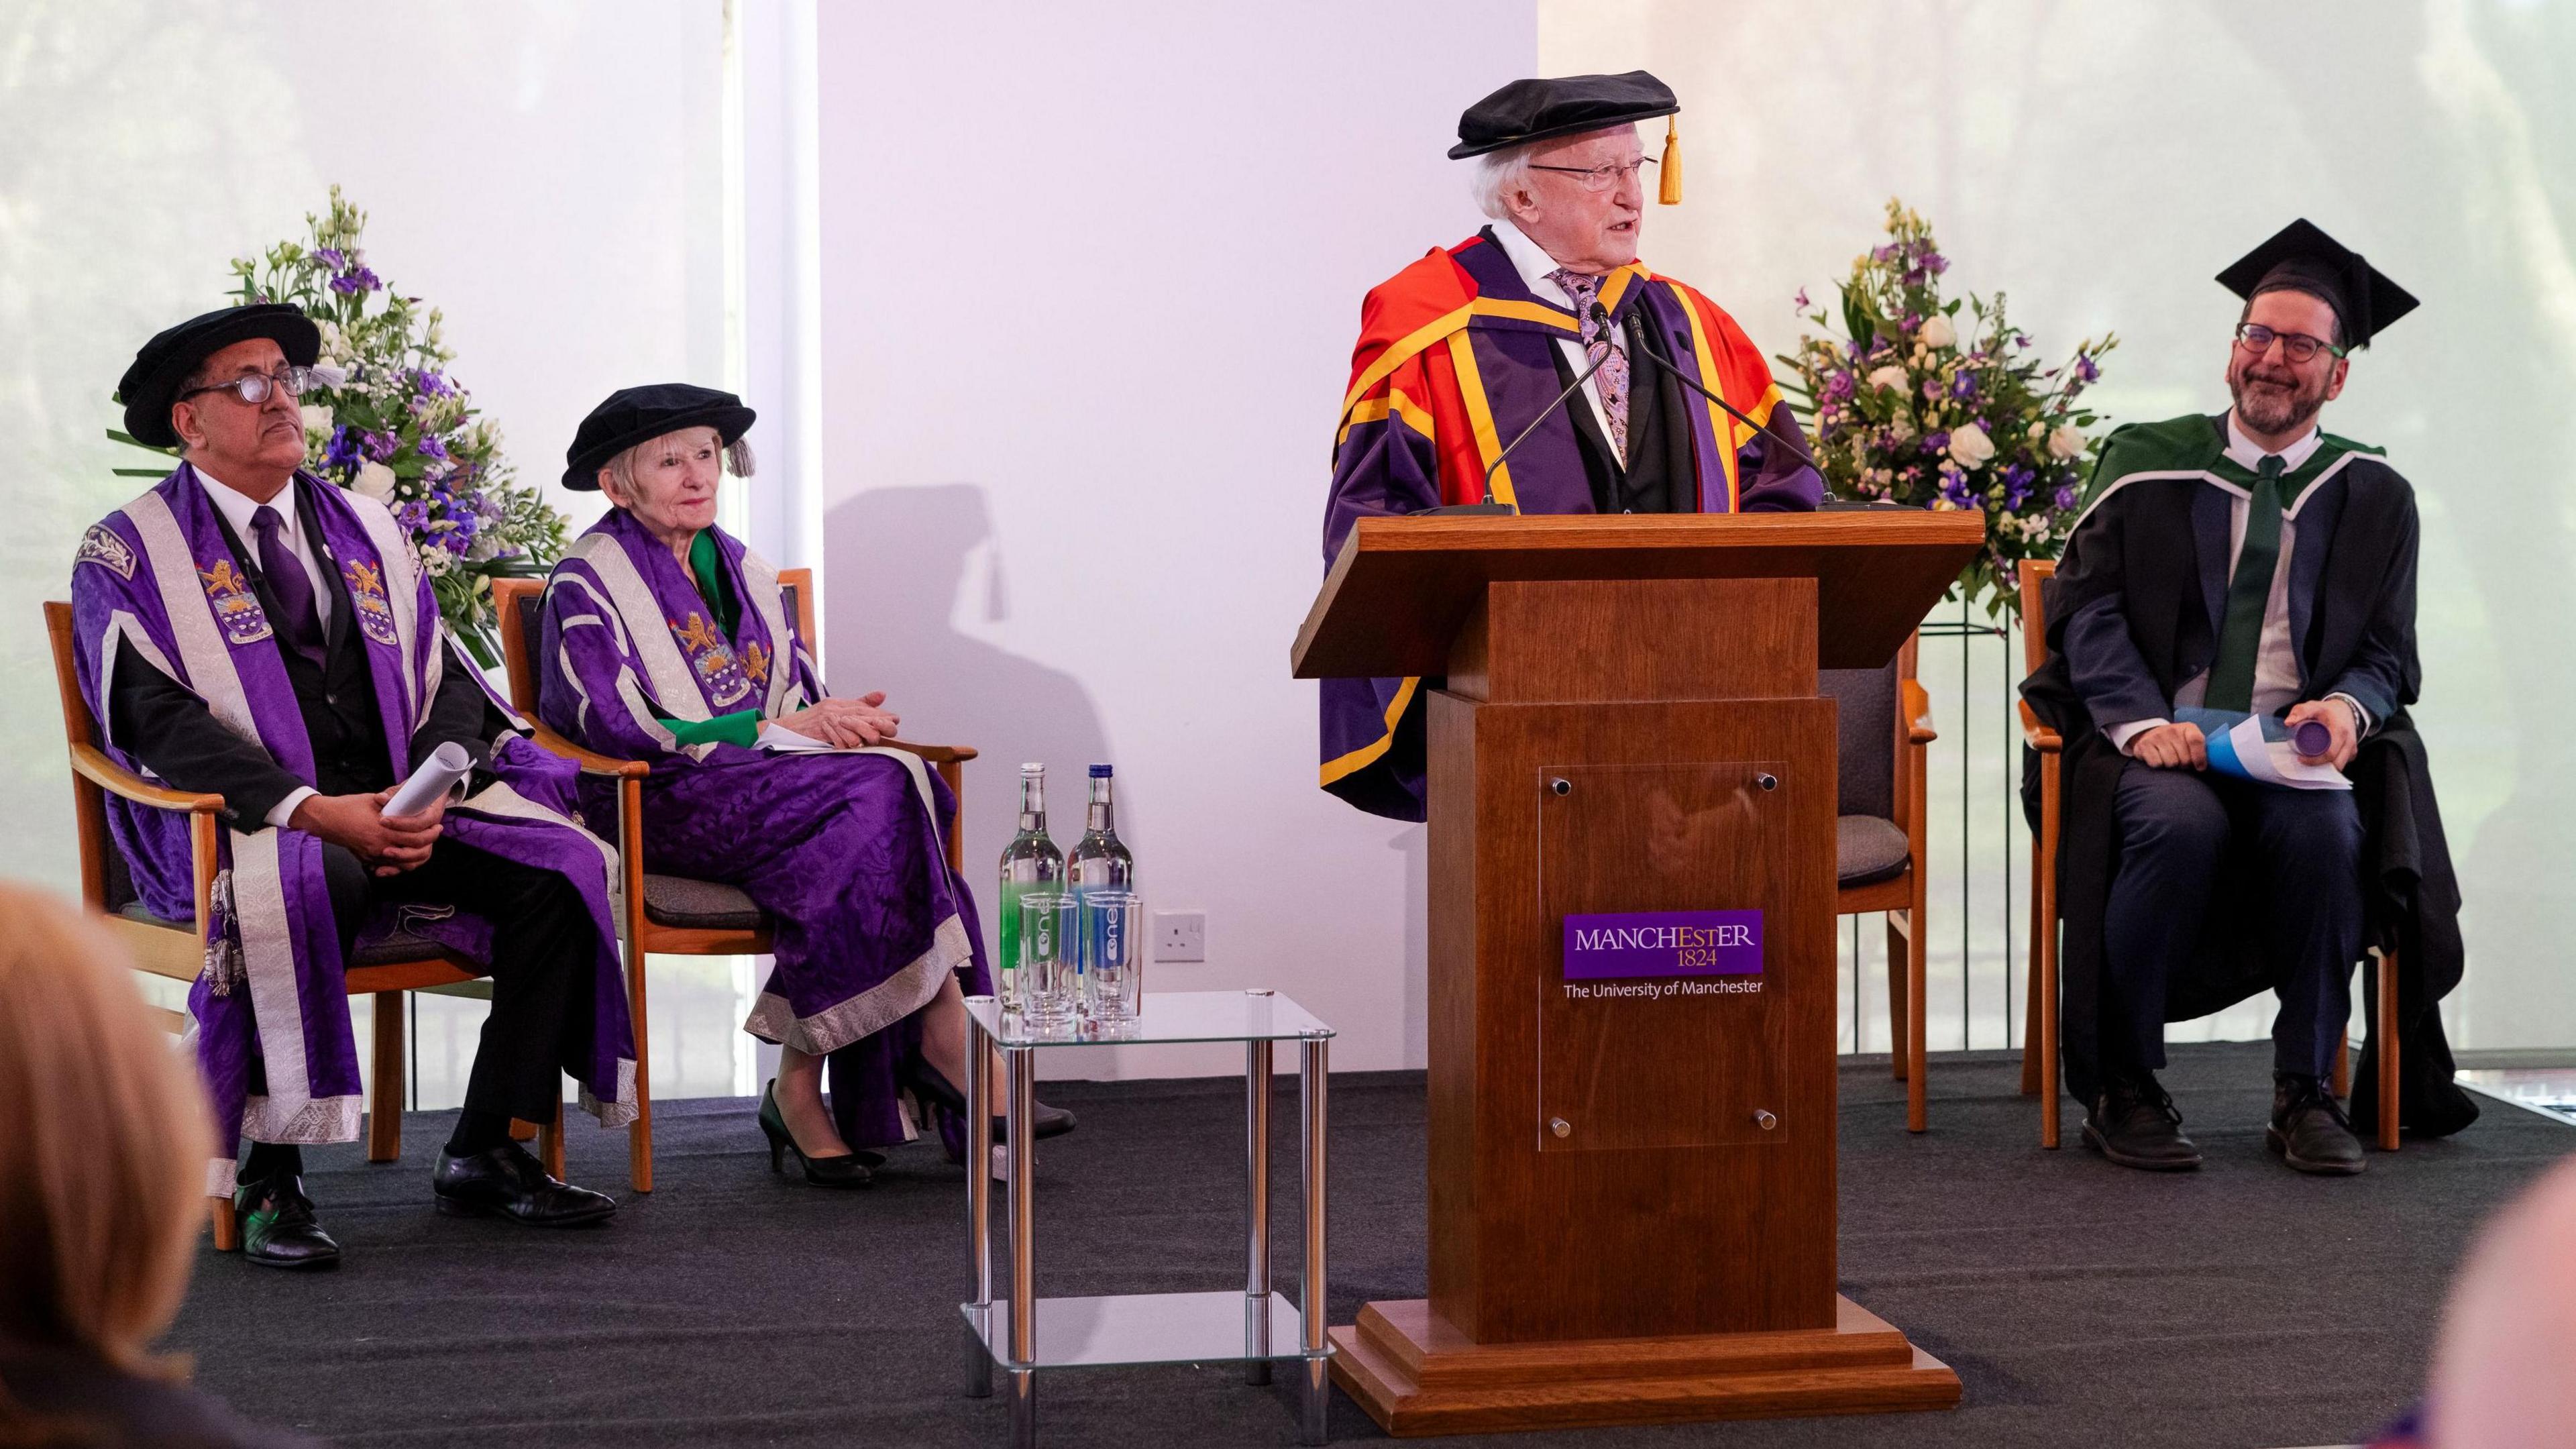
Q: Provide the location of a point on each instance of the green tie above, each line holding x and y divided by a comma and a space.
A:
2240, 637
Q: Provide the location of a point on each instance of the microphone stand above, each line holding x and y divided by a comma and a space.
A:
1645, 335
1600, 316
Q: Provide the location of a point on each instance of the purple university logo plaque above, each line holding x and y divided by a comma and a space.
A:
1663, 943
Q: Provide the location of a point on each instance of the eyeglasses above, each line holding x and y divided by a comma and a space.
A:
2256, 338
253, 389
1599, 178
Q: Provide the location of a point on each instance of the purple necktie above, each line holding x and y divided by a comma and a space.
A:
1612, 379
293, 588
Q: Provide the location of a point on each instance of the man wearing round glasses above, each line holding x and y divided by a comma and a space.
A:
249, 630
1538, 366
2254, 565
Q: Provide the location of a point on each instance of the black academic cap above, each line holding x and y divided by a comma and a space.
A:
635, 415
152, 384
2302, 257
1540, 110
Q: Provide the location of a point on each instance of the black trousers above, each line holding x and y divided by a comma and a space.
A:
543, 950
2178, 830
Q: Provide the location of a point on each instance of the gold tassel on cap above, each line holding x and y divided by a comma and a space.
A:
1670, 193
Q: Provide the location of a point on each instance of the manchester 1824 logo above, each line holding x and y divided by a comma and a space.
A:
1663, 943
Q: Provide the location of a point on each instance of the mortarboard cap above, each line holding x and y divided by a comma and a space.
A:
151, 385
2302, 257
633, 415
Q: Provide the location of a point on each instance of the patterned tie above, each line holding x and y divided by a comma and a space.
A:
301, 627
1598, 340
2249, 590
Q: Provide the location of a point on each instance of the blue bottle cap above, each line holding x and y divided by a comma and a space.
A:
1100, 772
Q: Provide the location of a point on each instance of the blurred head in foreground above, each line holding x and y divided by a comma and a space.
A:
103, 1144
2504, 1373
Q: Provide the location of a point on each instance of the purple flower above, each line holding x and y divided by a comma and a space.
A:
1883, 254
1800, 301
2021, 339
413, 515
1954, 487
2066, 499
1936, 263
343, 452
1936, 442
331, 257
362, 279
429, 446
1964, 385
2017, 485
432, 384
2085, 369
381, 446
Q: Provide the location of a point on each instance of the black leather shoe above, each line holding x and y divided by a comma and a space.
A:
925, 1079
2134, 1124
2309, 1128
507, 1182
278, 1230
849, 1169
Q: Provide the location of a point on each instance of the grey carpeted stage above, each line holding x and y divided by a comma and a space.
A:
2080, 1304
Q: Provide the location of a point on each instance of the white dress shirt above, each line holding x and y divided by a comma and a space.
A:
2276, 657
1533, 263
239, 509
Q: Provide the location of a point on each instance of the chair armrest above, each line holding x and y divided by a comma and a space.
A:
935, 754
1918, 713
591, 761
2038, 736
92, 764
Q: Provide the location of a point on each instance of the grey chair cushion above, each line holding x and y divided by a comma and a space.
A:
1865, 738
401, 948
1867, 850
672, 900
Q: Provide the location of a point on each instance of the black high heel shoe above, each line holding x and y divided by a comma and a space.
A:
925, 1080
850, 1169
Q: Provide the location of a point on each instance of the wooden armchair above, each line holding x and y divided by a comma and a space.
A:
668, 914
1883, 725
2039, 1069
173, 949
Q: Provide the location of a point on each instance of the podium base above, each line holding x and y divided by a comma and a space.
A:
1417, 1375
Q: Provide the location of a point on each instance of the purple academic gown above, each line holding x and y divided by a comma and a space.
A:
844, 850
156, 578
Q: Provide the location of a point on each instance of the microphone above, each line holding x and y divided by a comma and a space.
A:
1645, 335
1601, 316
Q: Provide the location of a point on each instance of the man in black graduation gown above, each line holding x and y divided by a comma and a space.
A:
2248, 562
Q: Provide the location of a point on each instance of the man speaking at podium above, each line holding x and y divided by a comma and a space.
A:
1539, 367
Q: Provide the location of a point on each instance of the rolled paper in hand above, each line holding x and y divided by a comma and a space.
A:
2313, 737
436, 776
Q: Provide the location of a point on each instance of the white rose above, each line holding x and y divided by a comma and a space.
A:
2065, 442
1889, 376
317, 419
376, 481
1969, 446
1937, 332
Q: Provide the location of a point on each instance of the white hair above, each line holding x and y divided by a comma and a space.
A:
1497, 175
737, 460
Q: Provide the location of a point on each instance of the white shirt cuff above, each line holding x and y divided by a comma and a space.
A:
2121, 734
285, 809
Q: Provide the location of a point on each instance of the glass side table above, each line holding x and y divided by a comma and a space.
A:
1023, 1333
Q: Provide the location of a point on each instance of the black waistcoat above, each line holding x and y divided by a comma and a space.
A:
1659, 475
338, 698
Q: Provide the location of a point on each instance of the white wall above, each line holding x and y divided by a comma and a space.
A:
1091, 279
2101, 161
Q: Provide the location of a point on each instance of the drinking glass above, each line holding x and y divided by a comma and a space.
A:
1113, 954
1049, 957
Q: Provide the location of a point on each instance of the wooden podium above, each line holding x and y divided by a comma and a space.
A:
1632, 1179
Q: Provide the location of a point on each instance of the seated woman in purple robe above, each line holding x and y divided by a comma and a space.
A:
666, 640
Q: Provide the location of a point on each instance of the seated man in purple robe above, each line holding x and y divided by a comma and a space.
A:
666, 640
250, 630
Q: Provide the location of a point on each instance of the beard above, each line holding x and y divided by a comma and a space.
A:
2276, 402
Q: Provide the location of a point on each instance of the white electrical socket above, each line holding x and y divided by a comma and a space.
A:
1180, 935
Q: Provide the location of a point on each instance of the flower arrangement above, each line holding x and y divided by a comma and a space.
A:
383, 418
1909, 410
